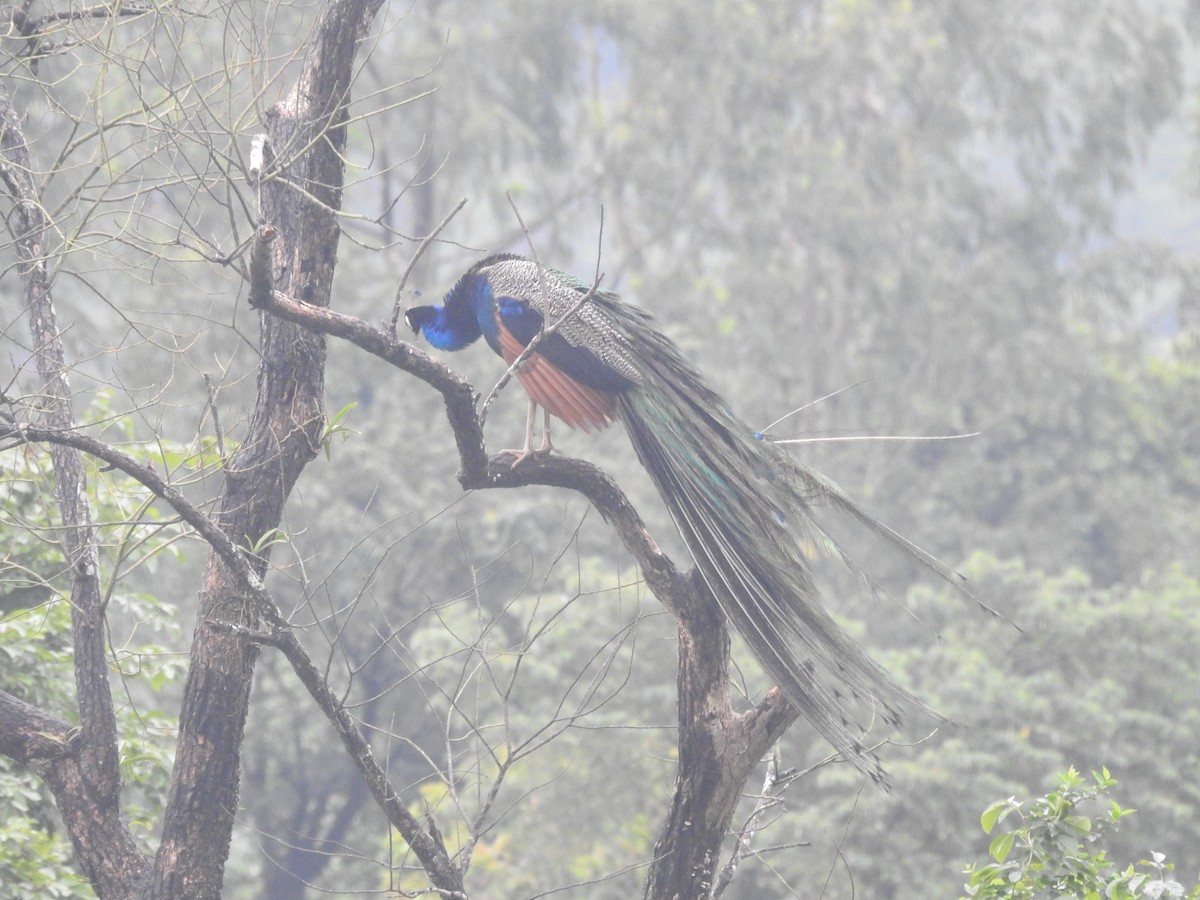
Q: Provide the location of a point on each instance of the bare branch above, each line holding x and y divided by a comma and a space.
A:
767, 798
27, 734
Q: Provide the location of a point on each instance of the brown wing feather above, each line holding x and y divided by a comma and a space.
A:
576, 404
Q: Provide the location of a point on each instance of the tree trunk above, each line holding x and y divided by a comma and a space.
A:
718, 751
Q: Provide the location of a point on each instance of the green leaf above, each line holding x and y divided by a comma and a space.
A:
1080, 824
1001, 846
992, 814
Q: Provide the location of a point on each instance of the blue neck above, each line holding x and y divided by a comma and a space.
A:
443, 331
461, 318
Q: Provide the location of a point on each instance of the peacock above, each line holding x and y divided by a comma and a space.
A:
742, 505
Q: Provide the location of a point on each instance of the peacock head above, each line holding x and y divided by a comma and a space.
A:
451, 326
420, 316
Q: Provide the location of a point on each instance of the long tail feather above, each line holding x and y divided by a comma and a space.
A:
742, 509
824, 488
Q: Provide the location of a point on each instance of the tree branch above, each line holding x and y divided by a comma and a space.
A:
233, 556
29, 735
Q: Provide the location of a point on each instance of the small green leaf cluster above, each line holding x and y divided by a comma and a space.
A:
336, 427
1054, 849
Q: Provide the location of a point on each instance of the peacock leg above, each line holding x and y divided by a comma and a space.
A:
527, 451
545, 448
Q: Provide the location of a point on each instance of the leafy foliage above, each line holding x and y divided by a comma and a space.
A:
35, 861
1055, 848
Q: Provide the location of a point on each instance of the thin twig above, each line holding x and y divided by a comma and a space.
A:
421, 248
767, 798
841, 855
216, 418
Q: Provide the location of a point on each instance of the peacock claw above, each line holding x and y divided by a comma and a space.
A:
526, 453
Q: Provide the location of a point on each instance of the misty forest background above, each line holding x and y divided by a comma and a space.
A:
956, 217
